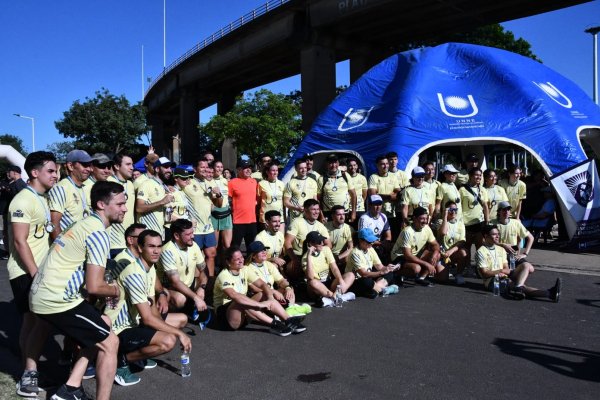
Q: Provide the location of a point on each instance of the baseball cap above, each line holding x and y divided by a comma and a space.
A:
449, 168
314, 237
375, 199
504, 204
80, 156
367, 235
256, 247
417, 172
164, 162
100, 159
182, 173
243, 164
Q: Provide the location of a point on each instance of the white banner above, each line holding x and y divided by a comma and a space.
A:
578, 189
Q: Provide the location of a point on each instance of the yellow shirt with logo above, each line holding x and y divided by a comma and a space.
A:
415, 240
496, 194
273, 242
298, 191
139, 181
239, 283
299, 228
456, 233
271, 194
511, 231
198, 194
60, 278
28, 207
359, 259
183, 261
339, 236
446, 192
402, 177
116, 231
150, 192
360, 183
472, 209
68, 199
267, 271
320, 264
385, 185
335, 191
491, 259
415, 197
223, 185
180, 207
515, 193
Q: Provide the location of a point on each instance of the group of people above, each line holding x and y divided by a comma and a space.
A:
120, 265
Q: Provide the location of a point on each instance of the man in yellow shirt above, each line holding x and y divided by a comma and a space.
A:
30, 225
122, 172
77, 257
334, 188
474, 203
340, 235
360, 186
273, 238
300, 188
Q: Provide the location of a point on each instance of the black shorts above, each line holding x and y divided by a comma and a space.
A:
82, 323
20, 287
133, 339
222, 322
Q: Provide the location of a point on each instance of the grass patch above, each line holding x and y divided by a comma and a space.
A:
7, 387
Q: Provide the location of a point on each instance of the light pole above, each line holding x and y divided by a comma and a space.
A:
32, 129
594, 32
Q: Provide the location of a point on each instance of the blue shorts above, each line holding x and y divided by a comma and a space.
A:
206, 240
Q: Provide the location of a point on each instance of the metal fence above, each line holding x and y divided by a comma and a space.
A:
244, 19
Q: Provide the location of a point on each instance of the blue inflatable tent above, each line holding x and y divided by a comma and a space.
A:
457, 94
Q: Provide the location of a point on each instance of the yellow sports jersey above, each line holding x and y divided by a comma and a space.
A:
456, 233
116, 232
271, 194
359, 259
28, 207
150, 192
402, 177
57, 285
490, 258
299, 228
180, 207
68, 199
123, 259
472, 209
415, 240
335, 191
415, 197
360, 183
267, 271
496, 194
223, 185
339, 236
298, 191
136, 286
446, 192
385, 185
515, 193
198, 194
139, 181
320, 264
273, 242
87, 189
511, 231
184, 261
462, 177
238, 282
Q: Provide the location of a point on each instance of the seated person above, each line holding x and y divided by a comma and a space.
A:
541, 219
512, 232
491, 261
234, 306
452, 237
418, 251
273, 238
322, 274
182, 270
340, 235
378, 222
369, 276
142, 331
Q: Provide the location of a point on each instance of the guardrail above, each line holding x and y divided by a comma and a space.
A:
238, 23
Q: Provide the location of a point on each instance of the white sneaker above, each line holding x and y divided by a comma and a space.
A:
348, 296
327, 302
459, 279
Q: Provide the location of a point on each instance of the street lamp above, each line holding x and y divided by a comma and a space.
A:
594, 32
32, 129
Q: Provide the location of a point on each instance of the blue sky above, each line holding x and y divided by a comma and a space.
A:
55, 52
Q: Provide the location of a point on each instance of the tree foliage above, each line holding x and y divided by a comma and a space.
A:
61, 149
16, 143
104, 123
262, 121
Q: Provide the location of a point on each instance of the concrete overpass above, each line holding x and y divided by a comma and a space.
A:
284, 38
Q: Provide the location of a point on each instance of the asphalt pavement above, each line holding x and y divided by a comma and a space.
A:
444, 342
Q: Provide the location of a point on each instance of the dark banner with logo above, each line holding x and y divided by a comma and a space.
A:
578, 190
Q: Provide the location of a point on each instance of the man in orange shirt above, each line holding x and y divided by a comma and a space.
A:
243, 193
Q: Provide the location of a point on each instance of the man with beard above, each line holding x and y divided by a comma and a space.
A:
272, 238
300, 188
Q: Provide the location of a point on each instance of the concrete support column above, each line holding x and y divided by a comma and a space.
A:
317, 68
189, 118
359, 64
228, 150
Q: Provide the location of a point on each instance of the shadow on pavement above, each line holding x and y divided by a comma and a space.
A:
591, 303
568, 361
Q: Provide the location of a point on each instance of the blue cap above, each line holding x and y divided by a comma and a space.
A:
256, 247
80, 156
367, 234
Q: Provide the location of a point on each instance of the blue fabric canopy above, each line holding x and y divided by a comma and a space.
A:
453, 94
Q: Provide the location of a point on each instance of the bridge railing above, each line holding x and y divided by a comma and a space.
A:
244, 19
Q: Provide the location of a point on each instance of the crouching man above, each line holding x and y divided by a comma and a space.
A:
143, 332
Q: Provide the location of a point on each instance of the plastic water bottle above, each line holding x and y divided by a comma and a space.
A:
168, 214
338, 296
504, 286
185, 364
496, 285
511, 261
111, 302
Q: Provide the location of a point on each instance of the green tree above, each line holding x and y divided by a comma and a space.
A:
262, 121
17, 144
104, 123
61, 149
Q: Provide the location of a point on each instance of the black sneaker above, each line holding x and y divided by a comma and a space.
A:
423, 282
64, 394
518, 293
28, 385
555, 291
372, 294
294, 323
281, 329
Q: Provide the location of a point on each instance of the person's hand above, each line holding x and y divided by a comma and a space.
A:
520, 256
265, 305
150, 149
200, 304
162, 303
311, 249
446, 214
186, 343
352, 217
280, 262
289, 294
278, 296
167, 199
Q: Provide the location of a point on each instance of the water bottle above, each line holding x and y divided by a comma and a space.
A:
496, 285
111, 302
185, 364
168, 214
504, 286
511, 261
338, 296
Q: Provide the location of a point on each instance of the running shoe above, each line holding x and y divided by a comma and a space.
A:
28, 384
555, 290
64, 394
125, 377
279, 328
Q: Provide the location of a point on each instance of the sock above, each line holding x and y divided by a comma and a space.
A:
71, 388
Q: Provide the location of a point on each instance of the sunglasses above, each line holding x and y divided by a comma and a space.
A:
186, 178
452, 209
